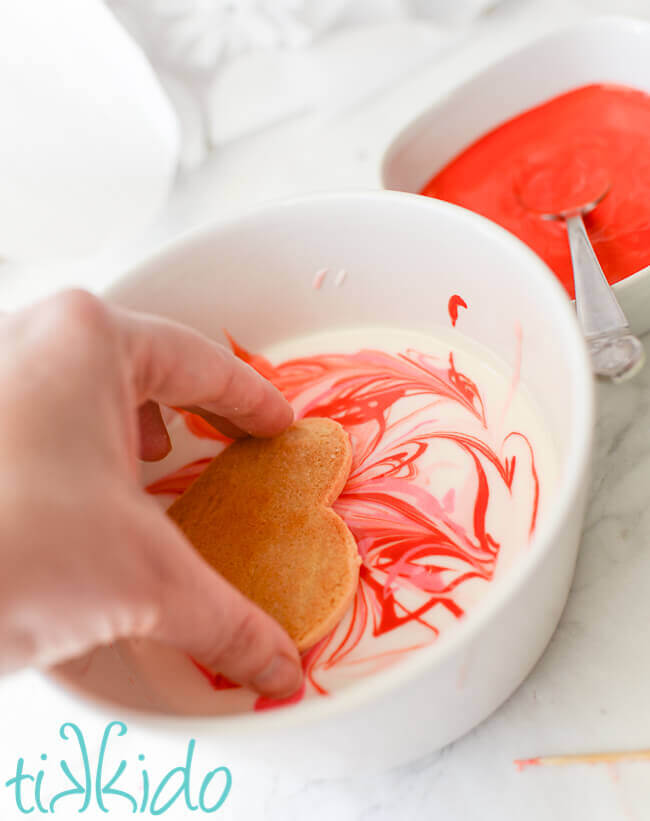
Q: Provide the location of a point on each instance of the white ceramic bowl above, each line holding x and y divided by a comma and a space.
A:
404, 255
603, 50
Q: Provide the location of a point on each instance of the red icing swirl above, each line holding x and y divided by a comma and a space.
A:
417, 549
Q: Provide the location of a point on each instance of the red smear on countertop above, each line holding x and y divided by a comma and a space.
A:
524, 763
560, 152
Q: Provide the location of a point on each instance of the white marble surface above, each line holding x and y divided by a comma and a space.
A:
589, 691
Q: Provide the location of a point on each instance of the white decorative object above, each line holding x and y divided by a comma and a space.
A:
335, 74
89, 141
232, 67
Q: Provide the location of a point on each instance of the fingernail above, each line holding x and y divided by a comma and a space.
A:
280, 678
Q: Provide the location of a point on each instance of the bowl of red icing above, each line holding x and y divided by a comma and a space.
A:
451, 356
566, 117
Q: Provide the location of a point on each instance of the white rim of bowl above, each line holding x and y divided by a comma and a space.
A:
578, 457
633, 25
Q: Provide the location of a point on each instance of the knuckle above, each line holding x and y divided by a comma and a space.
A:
243, 644
81, 312
252, 401
246, 635
134, 574
150, 580
148, 614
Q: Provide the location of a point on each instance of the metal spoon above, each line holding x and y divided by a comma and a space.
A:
615, 352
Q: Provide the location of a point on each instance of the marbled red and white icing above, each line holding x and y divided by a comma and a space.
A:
452, 469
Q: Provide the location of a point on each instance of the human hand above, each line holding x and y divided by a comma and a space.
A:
86, 556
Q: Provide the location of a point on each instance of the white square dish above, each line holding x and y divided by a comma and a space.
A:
603, 50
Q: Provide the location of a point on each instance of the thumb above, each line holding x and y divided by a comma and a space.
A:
207, 617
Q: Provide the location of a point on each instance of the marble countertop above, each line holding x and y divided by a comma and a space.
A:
589, 691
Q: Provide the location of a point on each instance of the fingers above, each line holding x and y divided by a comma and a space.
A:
155, 443
200, 612
206, 617
175, 365
219, 422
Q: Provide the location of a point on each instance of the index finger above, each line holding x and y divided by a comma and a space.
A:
175, 365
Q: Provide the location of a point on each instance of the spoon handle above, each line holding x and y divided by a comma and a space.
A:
597, 307
614, 351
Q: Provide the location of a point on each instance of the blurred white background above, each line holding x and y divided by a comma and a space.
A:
107, 103
127, 123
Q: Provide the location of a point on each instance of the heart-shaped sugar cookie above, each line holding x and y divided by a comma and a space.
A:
261, 515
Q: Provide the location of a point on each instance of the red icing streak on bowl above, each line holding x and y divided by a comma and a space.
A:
455, 302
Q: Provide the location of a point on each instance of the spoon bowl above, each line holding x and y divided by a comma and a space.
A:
582, 209
615, 352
